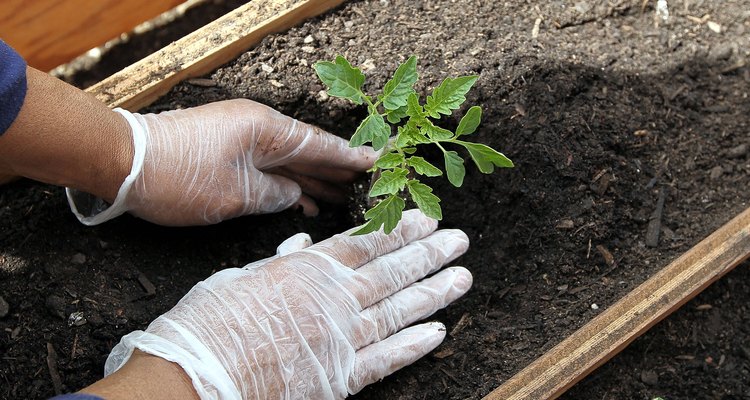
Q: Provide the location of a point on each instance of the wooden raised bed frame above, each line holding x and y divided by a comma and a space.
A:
568, 362
48, 33
204, 50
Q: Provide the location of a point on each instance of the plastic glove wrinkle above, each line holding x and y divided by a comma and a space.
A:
294, 327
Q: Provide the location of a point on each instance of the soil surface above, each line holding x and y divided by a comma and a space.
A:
602, 110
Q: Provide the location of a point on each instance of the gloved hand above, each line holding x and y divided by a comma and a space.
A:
315, 323
224, 160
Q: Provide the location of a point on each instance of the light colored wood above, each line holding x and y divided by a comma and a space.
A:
48, 33
610, 332
204, 50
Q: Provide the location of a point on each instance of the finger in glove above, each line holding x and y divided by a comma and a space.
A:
378, 360
355, 251
412, 304
316, 188
394, 271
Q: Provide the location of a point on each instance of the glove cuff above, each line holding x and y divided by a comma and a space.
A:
91, 210
208, 376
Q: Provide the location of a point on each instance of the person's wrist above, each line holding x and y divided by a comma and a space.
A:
116, 157
145, 376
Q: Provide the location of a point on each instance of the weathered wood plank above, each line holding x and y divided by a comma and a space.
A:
610, 332
204, 50
48, 33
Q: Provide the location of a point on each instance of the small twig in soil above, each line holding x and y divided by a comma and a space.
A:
589, 225
654, 223
75, 346
461, 324
519, 327
52, 366
535, 29
443, 354
453, 377
659, 171
739, 64
609, 270
201, 82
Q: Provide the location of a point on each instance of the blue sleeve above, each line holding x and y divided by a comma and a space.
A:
76, 396
12, 85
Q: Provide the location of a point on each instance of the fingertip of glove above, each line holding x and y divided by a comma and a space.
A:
295, 243
430, 334
436, 331
369, 153
462, 280
437, 326
458, 234
417, 217
307, 205
452, 241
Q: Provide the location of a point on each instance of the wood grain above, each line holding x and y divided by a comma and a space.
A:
48, 33
204, 50
606, 335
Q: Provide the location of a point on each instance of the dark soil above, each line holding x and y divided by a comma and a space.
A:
601, 113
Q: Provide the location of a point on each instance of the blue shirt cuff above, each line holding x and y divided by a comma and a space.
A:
12, 85
76, 396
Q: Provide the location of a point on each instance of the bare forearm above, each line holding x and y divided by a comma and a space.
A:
145, 377
66, 137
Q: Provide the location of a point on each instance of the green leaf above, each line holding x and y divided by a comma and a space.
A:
390, 182
449, 95
470, 121
413, 108
381, 137
409, 150
437, 133
342, 79
409, 135
387, 213
485, 157
454, 166
426, 201
423, 167
390, 160
372, 129
395, 116
398, 88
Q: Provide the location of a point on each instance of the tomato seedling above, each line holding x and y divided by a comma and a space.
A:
398, 109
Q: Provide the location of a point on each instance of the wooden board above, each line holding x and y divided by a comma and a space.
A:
610, 332
204, 50
48, 33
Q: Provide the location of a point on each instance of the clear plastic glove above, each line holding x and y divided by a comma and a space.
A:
224, 160
315, 323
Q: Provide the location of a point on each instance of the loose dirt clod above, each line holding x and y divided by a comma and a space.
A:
56, 306
146, 284
78, 258
738, 151
650, 377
